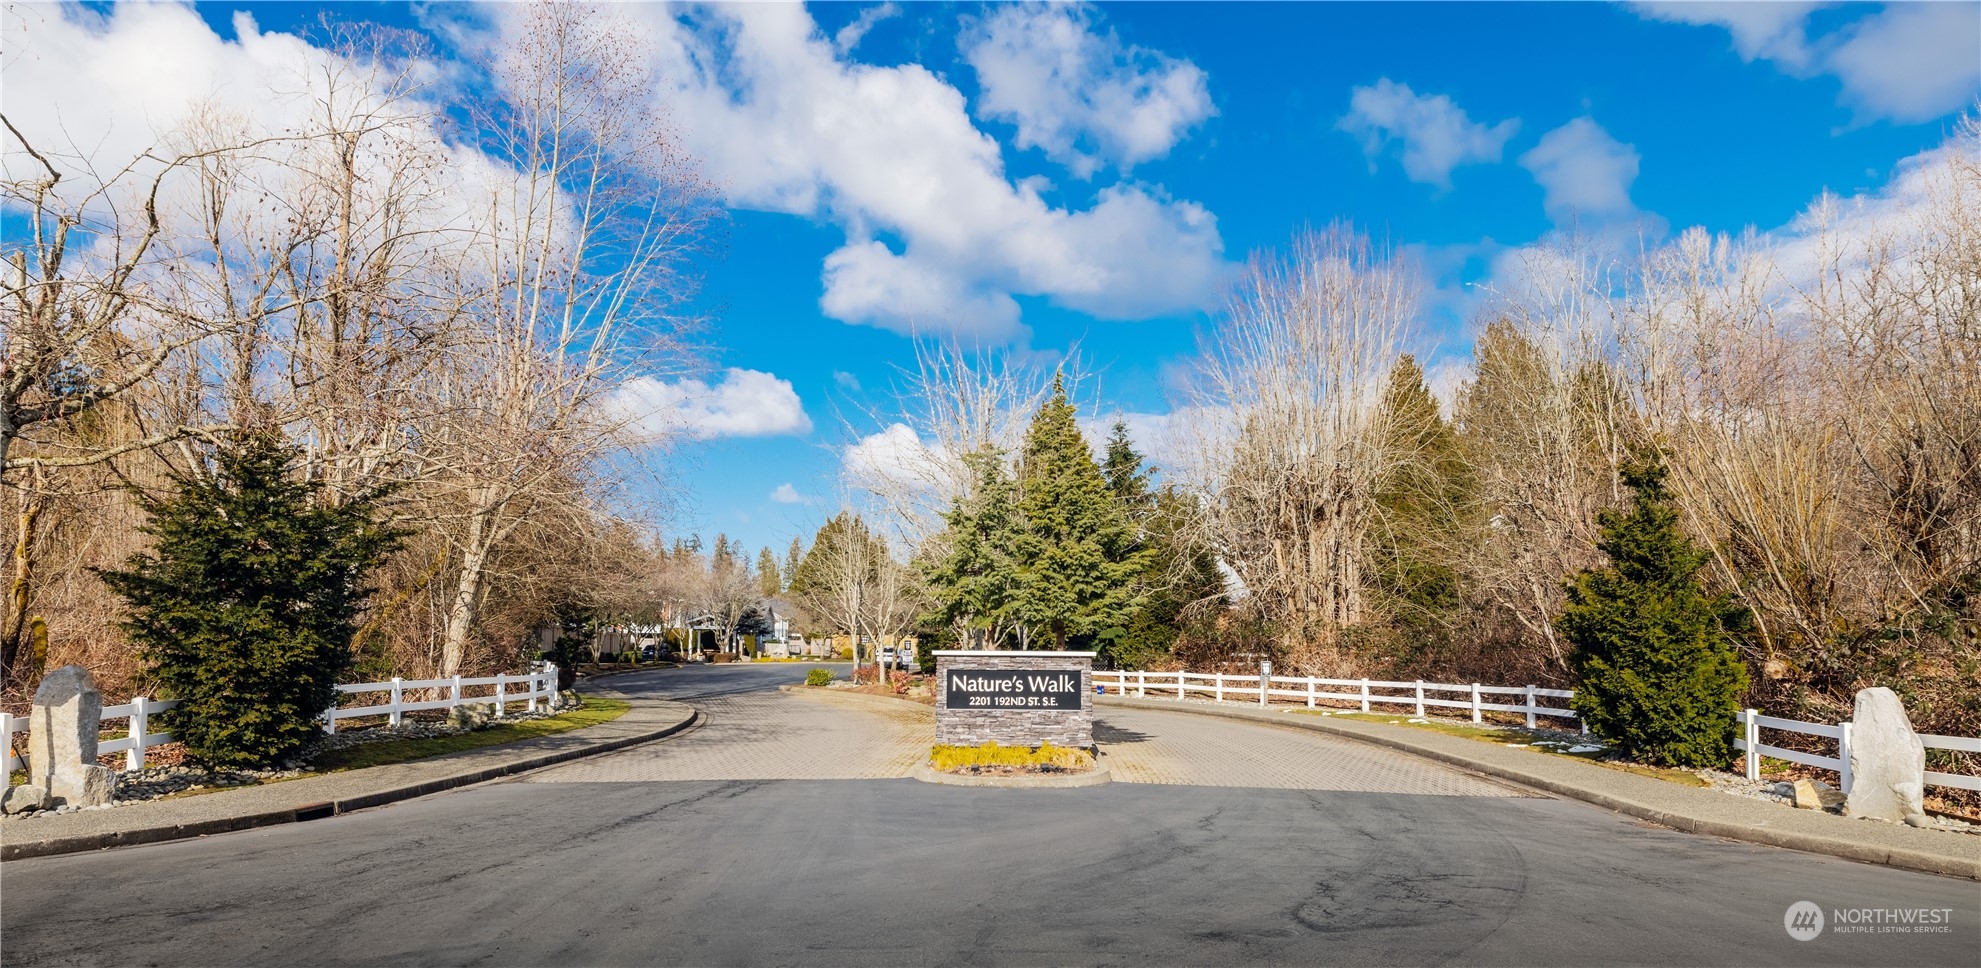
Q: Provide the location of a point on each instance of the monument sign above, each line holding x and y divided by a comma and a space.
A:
1014, 698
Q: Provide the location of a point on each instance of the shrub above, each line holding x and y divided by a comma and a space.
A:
818, 677
246, 605
1661, 680
951, 758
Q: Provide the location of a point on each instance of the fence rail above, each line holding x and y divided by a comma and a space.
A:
501, 691
1264, 689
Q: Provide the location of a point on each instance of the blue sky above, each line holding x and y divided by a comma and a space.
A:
1037, 177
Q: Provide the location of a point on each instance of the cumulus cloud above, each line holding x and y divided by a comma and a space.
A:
1082, 96
1584, 172
744, 403
786, 494
1435, 133
937, 236
1907, 62
897, 461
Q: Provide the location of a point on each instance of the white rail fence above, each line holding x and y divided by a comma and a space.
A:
501, 691
1478, 699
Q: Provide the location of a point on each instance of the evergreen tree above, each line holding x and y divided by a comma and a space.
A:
1661, 678
1126, 476
769, 582
791, 559
246, 606
1077, 561
974, 579
1420, 503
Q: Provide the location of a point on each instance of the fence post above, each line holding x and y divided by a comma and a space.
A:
1843, 756
7, 742
1420, 699
1530, 707
395, 716
1752, 730
1141, 684
1217, 679
330, 719
1475, 702
455, 700
501, 692
1265, 681
134, 757
1310, 692
1365, 695
1179, 684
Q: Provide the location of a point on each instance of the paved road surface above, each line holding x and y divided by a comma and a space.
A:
699, 850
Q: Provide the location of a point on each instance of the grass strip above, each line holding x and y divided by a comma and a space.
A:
1504, 736
596, 710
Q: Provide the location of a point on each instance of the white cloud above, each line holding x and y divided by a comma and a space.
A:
849, 36
746, 403
1082, 97
1914, 62
1761, 30
1437, 135
1908, 62
786, 494
895, 461
1585, 173
937, 236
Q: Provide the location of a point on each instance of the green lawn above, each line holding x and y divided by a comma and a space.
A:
596, 710
1502, 736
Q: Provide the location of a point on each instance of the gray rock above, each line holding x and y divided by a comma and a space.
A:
1919, 820
1887, 760
25, 797
62, 730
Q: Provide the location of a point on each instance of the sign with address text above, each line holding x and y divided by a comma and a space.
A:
1011, 689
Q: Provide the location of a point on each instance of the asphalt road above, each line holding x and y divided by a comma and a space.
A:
629, 860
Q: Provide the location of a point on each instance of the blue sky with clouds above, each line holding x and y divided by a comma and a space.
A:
1037, 177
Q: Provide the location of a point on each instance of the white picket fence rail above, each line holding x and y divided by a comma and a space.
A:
1263, 689
1309, 688
502, 690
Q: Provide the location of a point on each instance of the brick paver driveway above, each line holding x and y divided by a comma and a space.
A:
769, 735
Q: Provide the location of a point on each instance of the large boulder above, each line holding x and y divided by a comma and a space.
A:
23, 798
62, 740
1887, 760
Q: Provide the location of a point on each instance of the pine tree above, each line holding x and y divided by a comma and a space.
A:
791, 559
246, 606
769, 582
974, 580
1126, 476
1076, 555
1420, 503
1661, 678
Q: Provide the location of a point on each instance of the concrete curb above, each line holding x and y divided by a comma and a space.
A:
1095, 777
1793, 840
317, 811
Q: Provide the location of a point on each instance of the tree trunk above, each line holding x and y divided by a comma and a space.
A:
18, 592
467, 596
